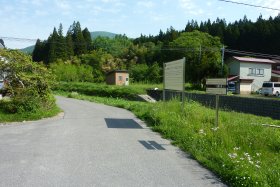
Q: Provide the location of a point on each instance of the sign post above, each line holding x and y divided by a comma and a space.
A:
217, 87
174, 78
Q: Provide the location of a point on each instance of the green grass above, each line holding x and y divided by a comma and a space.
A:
127, 92
28, 116
240, 150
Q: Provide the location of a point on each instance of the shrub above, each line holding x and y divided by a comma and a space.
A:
28, 83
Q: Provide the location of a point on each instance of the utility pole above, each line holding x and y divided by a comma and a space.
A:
223, 56
200, 53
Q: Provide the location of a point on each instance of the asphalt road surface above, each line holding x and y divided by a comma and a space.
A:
93, 145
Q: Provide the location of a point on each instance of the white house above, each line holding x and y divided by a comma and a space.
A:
249, 73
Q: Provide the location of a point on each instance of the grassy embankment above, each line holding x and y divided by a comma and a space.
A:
240, 150
28, 116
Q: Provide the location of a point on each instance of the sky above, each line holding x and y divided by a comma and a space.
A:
34, 19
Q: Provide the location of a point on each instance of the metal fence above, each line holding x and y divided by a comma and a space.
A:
256, 106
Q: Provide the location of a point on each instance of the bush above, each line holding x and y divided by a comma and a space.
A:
28, 83
72, 72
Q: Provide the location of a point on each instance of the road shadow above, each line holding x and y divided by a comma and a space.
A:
122, 123
151, 145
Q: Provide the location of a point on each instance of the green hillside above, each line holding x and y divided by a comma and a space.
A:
102, 34
28, 50
94, 35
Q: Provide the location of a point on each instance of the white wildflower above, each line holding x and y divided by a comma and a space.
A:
201, 131
215, 128
232, 155
258, 166
236, 148
258, 154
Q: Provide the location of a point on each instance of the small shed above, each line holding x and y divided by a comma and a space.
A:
118, 77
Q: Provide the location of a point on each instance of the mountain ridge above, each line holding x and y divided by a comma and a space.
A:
93, 35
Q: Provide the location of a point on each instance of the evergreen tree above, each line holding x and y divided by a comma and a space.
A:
60, 45
78, 39
37, 55
52, 46
69, 43
87, 37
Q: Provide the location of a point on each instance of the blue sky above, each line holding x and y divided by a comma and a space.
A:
36, 18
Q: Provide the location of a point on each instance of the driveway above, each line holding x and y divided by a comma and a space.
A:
93, 145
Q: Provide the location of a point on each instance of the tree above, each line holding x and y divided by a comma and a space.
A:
69, 44
52, 46
202, 52
78, 39
38, 51
60, 45
87, 37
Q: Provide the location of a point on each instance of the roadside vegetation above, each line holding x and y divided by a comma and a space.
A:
27, 88
126, 92
240, 151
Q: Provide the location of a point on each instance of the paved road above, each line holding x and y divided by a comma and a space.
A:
93, 145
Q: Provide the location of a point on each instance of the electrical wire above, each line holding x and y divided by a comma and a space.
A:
202, 49
246, 4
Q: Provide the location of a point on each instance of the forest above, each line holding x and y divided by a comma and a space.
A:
78, 57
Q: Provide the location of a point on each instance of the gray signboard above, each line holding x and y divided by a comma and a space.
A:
174, 75
216, 86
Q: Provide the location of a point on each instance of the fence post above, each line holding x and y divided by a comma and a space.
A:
217, 110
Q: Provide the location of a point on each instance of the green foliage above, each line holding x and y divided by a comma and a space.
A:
28, 83
87, 37
99, 90
80, 46
117, 46
67, 71
144, 73
202, 53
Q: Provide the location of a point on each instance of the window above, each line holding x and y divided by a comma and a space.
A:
255, 71
252, 71
260, 72
120, 78
276, 85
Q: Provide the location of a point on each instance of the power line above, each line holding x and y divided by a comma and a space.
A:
190, 49
18, 39
246, 4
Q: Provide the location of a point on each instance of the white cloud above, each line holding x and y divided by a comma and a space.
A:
190, 7
63, 6
146, 4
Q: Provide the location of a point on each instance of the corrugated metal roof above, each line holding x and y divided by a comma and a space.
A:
254, 60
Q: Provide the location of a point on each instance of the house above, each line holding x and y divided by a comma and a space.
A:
249, 73
118, 77
275, 74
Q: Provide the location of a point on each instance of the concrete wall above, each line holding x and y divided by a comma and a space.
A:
121, 78
256, 106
